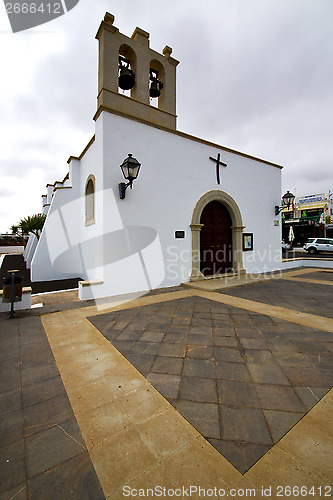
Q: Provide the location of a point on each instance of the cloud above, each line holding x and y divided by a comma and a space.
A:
4, 192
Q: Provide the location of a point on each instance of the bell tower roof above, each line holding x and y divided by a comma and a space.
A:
133, 79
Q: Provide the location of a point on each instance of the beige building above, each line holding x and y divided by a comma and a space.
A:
310, 216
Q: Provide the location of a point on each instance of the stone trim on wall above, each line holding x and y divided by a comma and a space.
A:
89, 220
237, 230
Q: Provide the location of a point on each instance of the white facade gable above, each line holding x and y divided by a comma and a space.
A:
130, 245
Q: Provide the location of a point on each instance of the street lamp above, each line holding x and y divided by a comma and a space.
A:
287, 201
130, 168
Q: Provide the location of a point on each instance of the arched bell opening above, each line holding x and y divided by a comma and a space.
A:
126, 70
156, 84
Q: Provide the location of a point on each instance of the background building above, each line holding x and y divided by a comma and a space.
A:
309, 217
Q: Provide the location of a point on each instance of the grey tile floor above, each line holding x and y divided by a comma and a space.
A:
301, 296
240, 378
42, 453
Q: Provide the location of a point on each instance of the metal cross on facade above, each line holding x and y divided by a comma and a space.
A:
218, 163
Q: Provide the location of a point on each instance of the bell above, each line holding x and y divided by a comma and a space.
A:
154, 90
126, 79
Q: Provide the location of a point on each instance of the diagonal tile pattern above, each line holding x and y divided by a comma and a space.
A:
241, 378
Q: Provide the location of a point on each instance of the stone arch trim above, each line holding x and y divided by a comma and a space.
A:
89, 206
237, 230
128, 52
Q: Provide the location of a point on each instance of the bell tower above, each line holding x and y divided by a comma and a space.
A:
133, 79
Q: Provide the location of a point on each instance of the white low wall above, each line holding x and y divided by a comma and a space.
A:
12, 249
30, 250
24, 304
90, 289
322, 263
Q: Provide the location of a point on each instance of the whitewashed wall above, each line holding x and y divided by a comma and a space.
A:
175, 173
131, 246
53, 259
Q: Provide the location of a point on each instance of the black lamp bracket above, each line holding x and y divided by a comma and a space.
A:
122, 188
278, 209
287, 200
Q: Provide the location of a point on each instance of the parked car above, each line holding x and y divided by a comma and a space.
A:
317, 245
285, 246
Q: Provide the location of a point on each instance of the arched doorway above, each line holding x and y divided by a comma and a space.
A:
237, 227
215, 239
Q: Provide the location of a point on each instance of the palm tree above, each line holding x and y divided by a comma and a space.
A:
16, 231
31, 224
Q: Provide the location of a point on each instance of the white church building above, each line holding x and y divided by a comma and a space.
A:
195, 210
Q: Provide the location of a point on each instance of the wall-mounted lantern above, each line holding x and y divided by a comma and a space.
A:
130, 168
287, 201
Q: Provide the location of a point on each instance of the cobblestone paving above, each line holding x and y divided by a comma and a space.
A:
242, 379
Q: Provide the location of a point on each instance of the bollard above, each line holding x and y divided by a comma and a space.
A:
12, 290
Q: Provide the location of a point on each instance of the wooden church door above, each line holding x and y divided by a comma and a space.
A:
215, 239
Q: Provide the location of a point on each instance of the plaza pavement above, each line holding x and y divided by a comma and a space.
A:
213, 386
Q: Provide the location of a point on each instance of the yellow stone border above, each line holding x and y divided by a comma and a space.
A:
136, 439
294, 276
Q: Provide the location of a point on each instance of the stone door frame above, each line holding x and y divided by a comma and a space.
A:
237, 230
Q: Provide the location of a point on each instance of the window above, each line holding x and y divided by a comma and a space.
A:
90, 201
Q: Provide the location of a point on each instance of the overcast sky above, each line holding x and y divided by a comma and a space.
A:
254, 75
